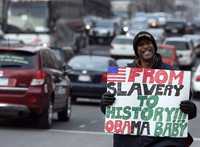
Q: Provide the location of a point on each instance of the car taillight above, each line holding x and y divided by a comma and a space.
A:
198, 78
38, 78
104, 77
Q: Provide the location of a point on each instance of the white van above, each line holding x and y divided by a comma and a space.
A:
122, 46
184, 50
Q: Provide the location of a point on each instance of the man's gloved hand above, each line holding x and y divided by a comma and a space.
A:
189, 108
107, 100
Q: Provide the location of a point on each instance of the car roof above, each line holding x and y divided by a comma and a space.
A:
25, 48
184, 39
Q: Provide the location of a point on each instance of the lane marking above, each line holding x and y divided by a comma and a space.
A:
196, 139
91, 133
93, 122
79, 132
82, 126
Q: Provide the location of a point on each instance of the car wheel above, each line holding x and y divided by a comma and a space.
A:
65, 114
74, 100
44, 121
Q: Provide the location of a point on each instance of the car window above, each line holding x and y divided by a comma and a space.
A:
45, 59
165, 52
89, 63
124, 62
56, 63
122, 41
176, 24
14, 59
104, 24
179, 45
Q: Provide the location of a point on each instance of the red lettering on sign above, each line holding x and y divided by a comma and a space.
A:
118, 127
148, 74
135, 72
161, 77
179, 76
109, 126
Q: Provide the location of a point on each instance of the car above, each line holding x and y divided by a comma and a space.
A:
63, 54
124, 62
33, 84
88, 75
122, 46
196, 42
175, 27
103, 31
184, 50
168, 55
196, 82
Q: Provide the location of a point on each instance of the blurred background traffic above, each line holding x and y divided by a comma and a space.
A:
80, 39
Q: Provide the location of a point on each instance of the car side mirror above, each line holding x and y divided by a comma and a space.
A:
67, 68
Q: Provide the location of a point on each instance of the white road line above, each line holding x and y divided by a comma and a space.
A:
93, 122
196, 139
91, 133
82, 126
79, 132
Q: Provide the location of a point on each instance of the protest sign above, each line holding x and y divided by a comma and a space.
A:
147, 102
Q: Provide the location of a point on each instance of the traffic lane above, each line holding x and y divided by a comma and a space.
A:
103, 50
51, 138
85, 117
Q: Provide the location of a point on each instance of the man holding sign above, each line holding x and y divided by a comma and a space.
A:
147, 102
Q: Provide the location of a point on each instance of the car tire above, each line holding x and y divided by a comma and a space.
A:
74, 100
65, 114
45, 120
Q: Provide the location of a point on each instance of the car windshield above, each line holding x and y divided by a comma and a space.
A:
165, 52
179, 45
123, 41
17, 60
175, 24
28, 17
104, 24
91, 63
124, 62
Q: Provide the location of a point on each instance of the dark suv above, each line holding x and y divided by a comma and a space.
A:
32, 83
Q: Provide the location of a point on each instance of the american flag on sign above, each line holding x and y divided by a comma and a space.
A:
116, 74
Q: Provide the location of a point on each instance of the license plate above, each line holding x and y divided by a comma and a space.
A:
3, 82
84, 78
174, 31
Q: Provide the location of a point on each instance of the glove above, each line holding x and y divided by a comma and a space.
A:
107, 100
189, 108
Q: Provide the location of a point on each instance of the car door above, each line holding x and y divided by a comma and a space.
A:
61, 83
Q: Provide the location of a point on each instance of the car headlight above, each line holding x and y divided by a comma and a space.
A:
88, 27
125, 29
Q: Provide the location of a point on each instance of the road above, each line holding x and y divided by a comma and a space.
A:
84, 129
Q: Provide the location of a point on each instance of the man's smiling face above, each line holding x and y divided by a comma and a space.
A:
145, 49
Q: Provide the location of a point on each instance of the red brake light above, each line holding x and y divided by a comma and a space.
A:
39, 78
104, 77
40, 74
198, 78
